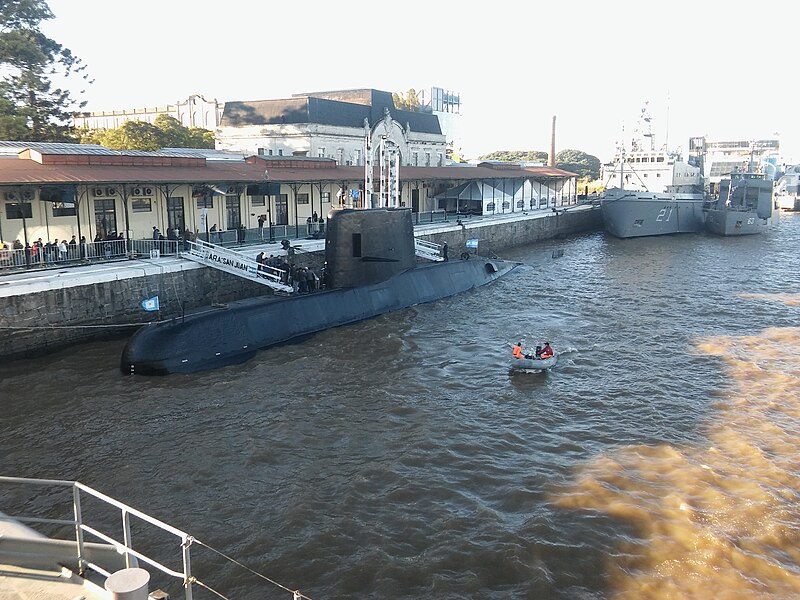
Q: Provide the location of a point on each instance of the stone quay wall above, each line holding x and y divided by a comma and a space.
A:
38, 323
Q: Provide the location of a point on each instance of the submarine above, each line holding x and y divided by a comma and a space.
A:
372, 269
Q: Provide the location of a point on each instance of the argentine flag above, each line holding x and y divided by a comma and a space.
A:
150, 303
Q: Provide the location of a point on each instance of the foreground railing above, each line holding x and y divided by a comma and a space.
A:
125, 547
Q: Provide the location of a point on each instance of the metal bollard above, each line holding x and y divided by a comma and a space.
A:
128, 584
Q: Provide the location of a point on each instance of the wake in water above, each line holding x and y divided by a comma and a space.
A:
720, 520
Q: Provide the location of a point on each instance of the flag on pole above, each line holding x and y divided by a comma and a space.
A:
150, 303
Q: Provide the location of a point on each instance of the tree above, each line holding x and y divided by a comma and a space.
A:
585, 165
408, 102
516, 156
164, 132
30, 61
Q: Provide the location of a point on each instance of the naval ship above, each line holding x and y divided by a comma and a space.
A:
787, 190
743, 207
656, 191
371, 269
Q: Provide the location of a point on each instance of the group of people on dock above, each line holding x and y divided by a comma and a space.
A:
315, 226
303, 279
44, 253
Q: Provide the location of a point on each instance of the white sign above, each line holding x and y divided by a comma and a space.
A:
203, 217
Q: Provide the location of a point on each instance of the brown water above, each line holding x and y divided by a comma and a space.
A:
398, 458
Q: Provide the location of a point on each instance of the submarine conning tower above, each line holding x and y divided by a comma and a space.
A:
366, 246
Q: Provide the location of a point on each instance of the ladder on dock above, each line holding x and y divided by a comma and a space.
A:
236, 263
429, 250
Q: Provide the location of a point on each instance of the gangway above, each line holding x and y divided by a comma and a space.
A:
429, 250
236, 263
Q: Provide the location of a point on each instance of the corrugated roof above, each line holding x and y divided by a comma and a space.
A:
57, 148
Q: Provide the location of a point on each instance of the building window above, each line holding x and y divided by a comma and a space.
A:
326, 197
427, 159
105, 218
141, 205
440, 161
64, 209
270, 152
175, 218
280, 152
205, 201
260, 151
415, 158
357, 157
258, 200
321, 153
18, 210
302, 198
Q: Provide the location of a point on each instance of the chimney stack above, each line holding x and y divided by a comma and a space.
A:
551, 161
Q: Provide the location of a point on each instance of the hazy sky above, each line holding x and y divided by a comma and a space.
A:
723, 69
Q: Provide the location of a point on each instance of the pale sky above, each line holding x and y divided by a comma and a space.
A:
725, 69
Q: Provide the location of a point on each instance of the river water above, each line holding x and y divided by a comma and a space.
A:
399, 458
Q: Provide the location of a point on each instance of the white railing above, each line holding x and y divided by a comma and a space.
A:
124, 547
238, 264
81, 549
429, 250
77, 254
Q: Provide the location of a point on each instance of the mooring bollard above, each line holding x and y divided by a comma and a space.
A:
128, 584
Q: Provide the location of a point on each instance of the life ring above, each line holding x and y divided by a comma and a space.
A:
465, 256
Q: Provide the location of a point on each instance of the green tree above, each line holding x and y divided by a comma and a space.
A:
164, 132
30, 60
516, 156
201, 138
410, 101
585, 165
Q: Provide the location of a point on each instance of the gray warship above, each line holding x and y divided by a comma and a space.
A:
743, 207
656, 191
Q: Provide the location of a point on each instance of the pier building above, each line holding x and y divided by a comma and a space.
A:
56, 191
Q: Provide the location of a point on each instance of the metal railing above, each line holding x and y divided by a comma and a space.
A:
124, 547
433, 216
429, 250
236, 263
80, 254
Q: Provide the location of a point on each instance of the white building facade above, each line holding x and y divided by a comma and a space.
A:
332, 125
195, 111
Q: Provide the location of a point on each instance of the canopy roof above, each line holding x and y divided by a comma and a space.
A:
473, 190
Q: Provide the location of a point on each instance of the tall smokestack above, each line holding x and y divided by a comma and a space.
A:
551, 161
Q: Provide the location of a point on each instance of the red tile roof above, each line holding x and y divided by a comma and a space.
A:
17, 171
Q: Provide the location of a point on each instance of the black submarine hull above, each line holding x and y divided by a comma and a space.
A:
220, 337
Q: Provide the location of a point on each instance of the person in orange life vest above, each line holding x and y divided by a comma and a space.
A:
547, 351
518, 353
